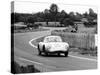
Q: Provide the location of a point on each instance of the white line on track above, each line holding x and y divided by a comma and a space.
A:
30, 42
83, 58
30, 61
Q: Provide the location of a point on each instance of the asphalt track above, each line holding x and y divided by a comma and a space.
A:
26, 53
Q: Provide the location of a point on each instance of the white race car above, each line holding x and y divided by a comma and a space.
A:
53, 44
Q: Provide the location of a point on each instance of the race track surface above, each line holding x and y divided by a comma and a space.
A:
26, 54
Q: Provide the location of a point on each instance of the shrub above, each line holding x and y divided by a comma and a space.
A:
16, 68
90, 24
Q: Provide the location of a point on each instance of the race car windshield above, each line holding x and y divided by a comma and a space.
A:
53, 39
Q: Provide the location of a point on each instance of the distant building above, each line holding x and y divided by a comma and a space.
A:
78, 22
49, 23
84, 20
54, 23
78, 25
95, 20
42, 23
18, 25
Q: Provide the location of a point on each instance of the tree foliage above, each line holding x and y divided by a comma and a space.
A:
53, 8
52, 15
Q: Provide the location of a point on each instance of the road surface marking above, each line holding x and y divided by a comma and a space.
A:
30, 42
36, 62
83, 58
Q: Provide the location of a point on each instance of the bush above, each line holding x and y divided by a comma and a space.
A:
36, 26
91, 51
30, 25
90, 24
16, 68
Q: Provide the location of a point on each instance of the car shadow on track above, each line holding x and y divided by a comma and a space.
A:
51, 55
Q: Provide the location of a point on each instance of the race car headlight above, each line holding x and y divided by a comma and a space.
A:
66, 47
48, 47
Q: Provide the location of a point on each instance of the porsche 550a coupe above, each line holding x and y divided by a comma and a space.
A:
53, 44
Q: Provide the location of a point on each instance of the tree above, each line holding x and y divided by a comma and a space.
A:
92, 17
54, 8
30, 19
46, 15
78, 16
68, 22
38, 17
72, 16
85, 15
92, 14
16, 17
63, 14
54, 11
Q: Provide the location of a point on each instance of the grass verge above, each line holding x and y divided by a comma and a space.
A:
17, 69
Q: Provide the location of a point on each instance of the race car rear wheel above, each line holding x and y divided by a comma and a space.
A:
44, 50
46, 54
58, 54
66, 54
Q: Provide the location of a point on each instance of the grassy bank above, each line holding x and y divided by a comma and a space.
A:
18, 69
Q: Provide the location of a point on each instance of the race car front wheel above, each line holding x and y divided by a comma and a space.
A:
39, 50
44, 50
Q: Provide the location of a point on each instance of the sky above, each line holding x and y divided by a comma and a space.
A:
33, 7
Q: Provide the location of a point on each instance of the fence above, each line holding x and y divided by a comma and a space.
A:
80, 40
49, 23
96, 40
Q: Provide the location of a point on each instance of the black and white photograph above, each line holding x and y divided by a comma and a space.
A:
53, 37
